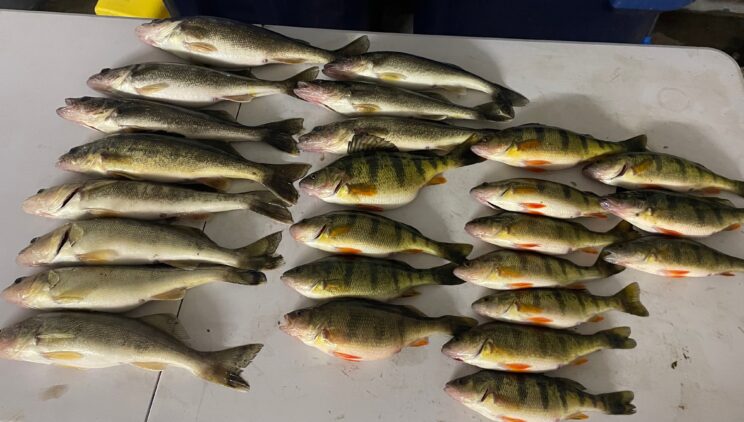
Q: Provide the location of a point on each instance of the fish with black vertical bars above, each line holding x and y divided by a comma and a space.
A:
147, 201
539, 148
558, 308
230, 44
120, 241
525, 348
161, 158
365, 99
365, 233
361, 330
114, 115
509, 397
674, 214
544, 234
381, 180
512, 269
189, 85
117, 289
386, 133
418, 73
653, 170
672, 257
89, 340
539, 197
371, 278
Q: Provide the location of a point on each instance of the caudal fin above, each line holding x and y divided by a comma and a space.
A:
624, 231
281, 179
259, 254
513, 97
606, 269
306, 75
498, 110
629, 300
283, 142
454, 325
455, 252
618, 403
617, 338
462, 155
245, 277
444, 275
225, 366
635, 144
739, 188
354, 48
268, 204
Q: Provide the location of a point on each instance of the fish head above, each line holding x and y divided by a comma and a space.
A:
45, 248
626, 204
17, 339
474, 270
158, 33
325, 93
309, 229
624, 253
489, 227
109, 80
495, 304
323, 183
462, 347
298, 279
472, 389
92, 112
303, 324
493, 145
349, 68
606, 169
24, 290
49, 202
333, 137
80, 158
486, 192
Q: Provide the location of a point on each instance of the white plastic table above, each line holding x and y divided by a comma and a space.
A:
687, 366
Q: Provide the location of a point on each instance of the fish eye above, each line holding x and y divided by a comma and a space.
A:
17, 280
40, 191
74, 150
105, 70
34, 239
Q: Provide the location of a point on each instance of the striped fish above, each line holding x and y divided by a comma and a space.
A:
525, 348
357, 329
507, 269
364, 233
643, 170
558, 308
379, 180
544, 234
539, 197
674, 214
672, 257
541, 148
509, 397
371, 278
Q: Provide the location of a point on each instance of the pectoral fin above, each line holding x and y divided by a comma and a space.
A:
367, 108
97, 257
151, 89
200, 47
150, 366
391, 76
362, 189
419, 342
175, 294
63, 355
243, 98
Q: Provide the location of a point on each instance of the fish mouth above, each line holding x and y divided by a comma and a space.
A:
153, 33
323, 191
303, 232
336, 71
449, 349
464, 273
611, 257
310, 92
309, 143
483, 196
12, 293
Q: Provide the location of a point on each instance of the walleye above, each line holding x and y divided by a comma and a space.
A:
386, 133
364, 233
379, 180
163, 158
98, 340
525, 348
362, 98
114, 115
558, 308
507, 269
674, 214
545, 234
358, 330
189, 85
119, 241
147, 201
644, 170
539, 197
116, 289
540, 148
231, 44
418, 73
507, 397
672, 257
371, 278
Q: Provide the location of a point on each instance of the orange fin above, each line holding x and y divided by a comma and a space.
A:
668, 232
641, 167
509, 272
510, 419
535, 169
711, 191
727, 273
577, 286
362, 189
733, 227
437, 180
97, 257
412, 250
516, 367
420, 342
339, 230
349, 251
526, 245
345, 356
578, 416
580, 361
675, 273
597, 215
369, 207
533, 212
536, 163
596, 318
200, 47
532, 205
530, 309
62, 355
590, 250
529, 144
539, 320
519, 285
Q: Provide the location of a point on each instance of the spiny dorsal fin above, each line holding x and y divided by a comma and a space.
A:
368, 142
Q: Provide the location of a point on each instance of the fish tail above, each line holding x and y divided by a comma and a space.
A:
739, 187
281, 178
618, 403
606, 269
225, 366
259, 254
629, 300
306, 75
245, 277
279, 134
617, 338
268, 204
444, 275
513, 97
624, 231
454, 325
635, 144
462, 155
498, 110
455, 252
356, 47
